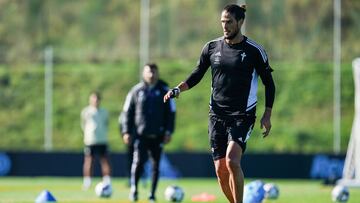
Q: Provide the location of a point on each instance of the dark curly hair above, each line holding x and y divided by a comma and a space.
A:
235, 10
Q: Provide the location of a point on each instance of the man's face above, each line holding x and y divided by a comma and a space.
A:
230, 26
94, 100
150, 76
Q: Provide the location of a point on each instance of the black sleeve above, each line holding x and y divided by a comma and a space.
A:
264, 70
201, 68
127, 116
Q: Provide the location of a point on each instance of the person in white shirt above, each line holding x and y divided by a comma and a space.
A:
94, 124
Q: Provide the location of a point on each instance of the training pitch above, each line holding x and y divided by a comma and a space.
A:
65, 189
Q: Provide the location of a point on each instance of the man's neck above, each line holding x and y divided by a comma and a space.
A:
94, 106
239, 38
150, 85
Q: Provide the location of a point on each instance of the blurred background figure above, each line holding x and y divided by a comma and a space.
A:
149, 123
94, 124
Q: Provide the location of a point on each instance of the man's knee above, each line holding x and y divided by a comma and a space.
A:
233, 164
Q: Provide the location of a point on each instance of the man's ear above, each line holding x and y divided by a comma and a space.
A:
240, 22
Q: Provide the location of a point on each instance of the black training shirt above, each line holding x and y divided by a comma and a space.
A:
235, 70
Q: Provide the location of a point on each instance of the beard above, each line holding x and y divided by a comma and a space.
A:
233, 35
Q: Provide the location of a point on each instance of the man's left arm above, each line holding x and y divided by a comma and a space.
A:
269, 84
264, 70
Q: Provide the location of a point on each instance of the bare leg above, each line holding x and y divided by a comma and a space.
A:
87, 171
236, 176
87, 168
106, 169
223, 178
105, 165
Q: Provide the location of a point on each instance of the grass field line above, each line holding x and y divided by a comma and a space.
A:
68, 190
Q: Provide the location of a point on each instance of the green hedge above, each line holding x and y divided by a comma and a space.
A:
302, 115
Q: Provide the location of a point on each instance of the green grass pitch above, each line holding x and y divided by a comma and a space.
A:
65, 189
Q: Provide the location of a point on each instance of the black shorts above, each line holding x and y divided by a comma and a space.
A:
222, 130
98, 149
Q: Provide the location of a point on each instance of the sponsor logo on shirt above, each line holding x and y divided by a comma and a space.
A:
217, 58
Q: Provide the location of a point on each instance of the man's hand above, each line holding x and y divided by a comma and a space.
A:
167, 139
172, 93
127, 138
265, 121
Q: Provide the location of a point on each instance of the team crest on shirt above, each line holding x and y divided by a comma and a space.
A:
217, 58
141, 95
243, 55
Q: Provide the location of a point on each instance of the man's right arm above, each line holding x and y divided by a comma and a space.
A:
175, 92
82, 120
194, 78
126, 119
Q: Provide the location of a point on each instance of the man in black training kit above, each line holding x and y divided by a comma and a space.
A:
236, 62
150, 122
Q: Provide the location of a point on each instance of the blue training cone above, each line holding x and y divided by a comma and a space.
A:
44, 197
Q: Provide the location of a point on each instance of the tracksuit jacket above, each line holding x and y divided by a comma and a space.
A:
145, 113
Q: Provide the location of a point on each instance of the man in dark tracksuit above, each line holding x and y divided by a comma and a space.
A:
149, 122
236, 62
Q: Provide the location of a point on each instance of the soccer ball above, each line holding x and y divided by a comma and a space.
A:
271, 191
103, 190
340, 193
254, 192
174, 194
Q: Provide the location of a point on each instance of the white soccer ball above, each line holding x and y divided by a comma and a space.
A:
103, 190
271, 191
174, 193
340, 193
254, 192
